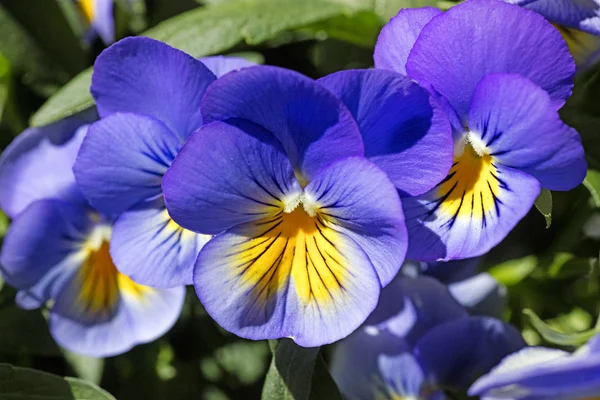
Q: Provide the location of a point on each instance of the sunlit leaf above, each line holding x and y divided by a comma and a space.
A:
514, 271
592, 183
556, 337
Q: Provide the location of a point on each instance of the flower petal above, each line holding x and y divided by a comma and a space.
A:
38, 164
475, 38
404, 132
481, 294
221, 65
226, 174
41, 249
148, 246
141, 314
457, 352
542, 373
355, 362
398, 37
580, 14
469, 212
313, 126
515, 120
144, 76
409, 307
122, 161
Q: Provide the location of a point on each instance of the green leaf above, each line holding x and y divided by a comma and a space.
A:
553, 336
361, 28
200, 32
389, 8
88, 368
592, 183
26, 57
290, 373
544, 205
72, 98
23, 331
298, 373
18, 383
514, 271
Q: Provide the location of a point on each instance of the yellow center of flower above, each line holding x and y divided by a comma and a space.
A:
100, 281
296, 242
472, 185
87, 7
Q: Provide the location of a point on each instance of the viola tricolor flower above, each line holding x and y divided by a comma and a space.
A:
56, 250
307, 230
508, 138
99, 16
148, 95
577, 20
538, 373
407, 354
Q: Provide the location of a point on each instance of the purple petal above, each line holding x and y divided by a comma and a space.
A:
122, 161
470, 212
475, 38
457, 352
398, 37
520, 129
580, 14
314, 127
145, 76
404, 132
38, 164
148, 246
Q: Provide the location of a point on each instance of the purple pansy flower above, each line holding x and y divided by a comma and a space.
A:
501, 72
148, 95
404, 351
577, 20
307, 230
56, 250
538, 373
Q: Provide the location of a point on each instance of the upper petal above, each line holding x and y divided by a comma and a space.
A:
405, 133
314, 127
457, 352
144, 76
398, 37
103, 21
122, 161
221, 65
475, 38
38, 164
516, 122
228, 173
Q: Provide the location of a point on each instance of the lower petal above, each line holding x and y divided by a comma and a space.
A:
148, 246
469, 212
286, 276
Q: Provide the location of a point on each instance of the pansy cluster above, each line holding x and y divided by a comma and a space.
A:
291, 204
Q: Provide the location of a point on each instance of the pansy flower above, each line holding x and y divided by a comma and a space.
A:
306, 230
501, 72
539, 373
418, 361
99, 15
148, 95
56, 250
577, 20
